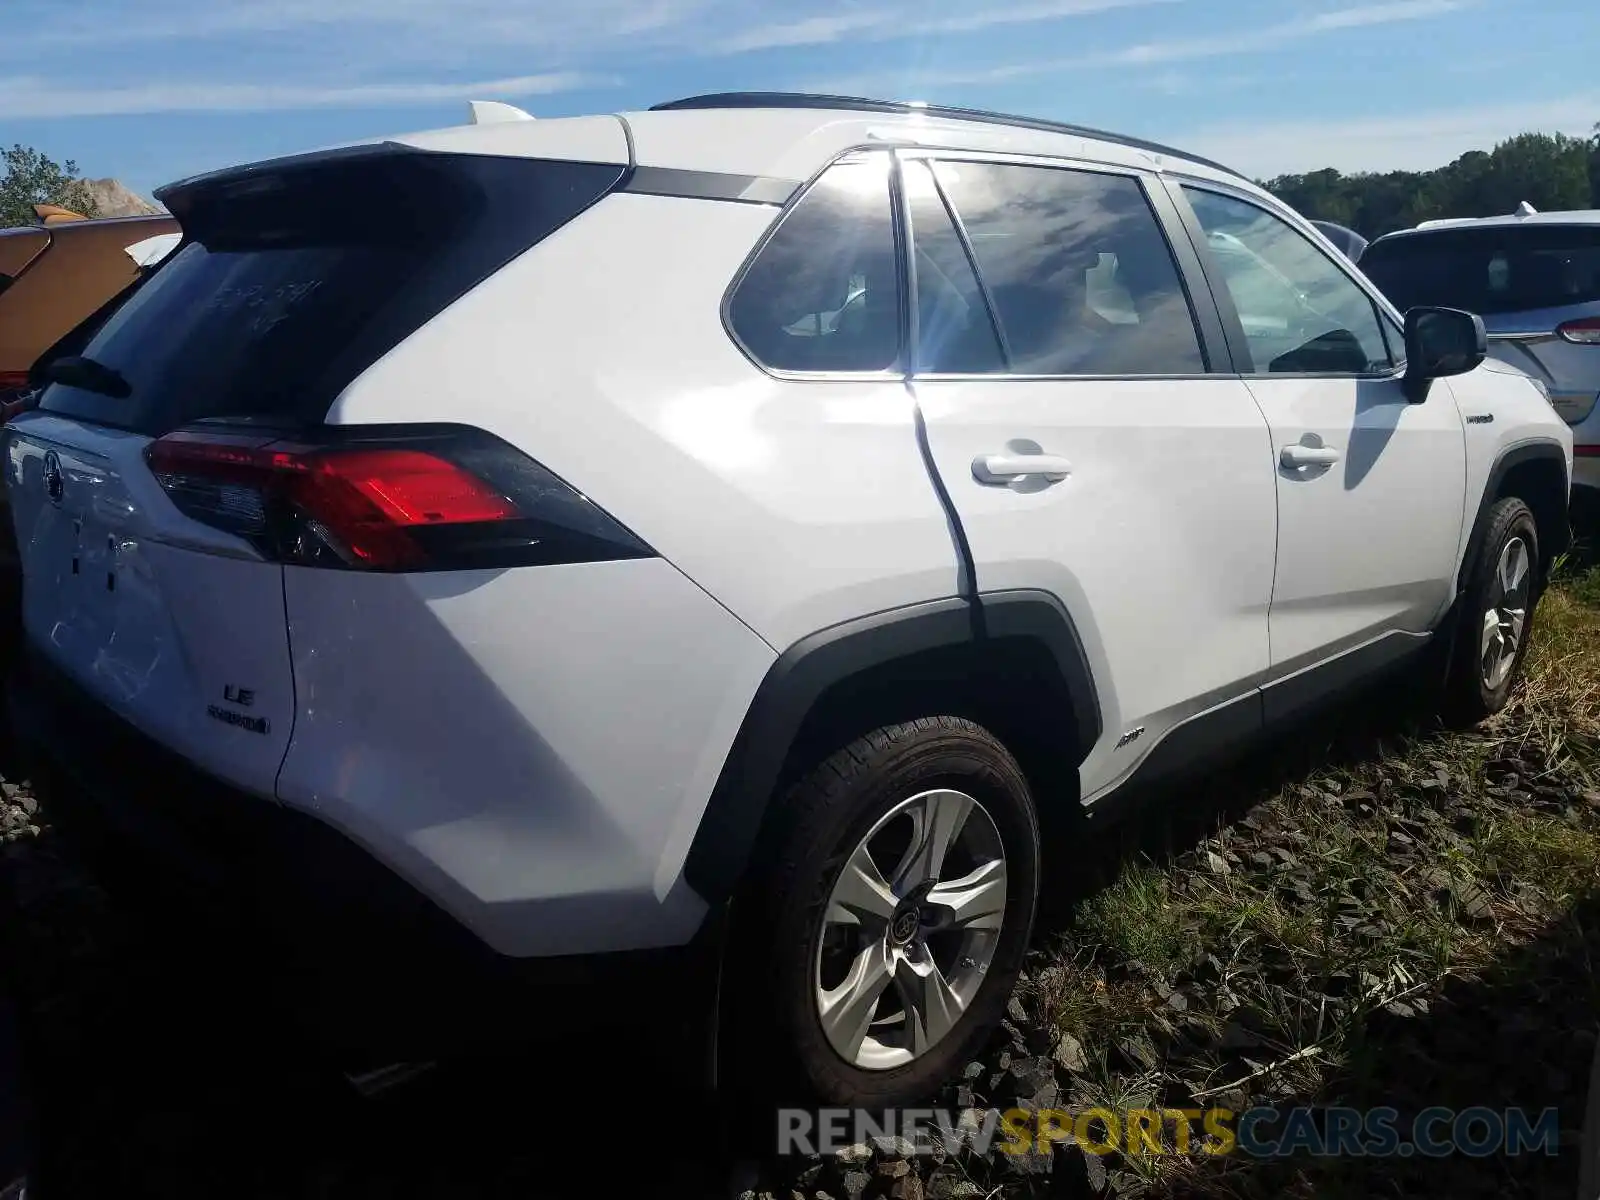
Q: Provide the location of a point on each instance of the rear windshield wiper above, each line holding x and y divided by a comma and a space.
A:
76, 371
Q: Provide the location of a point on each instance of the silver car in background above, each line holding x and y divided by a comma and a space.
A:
1534, 278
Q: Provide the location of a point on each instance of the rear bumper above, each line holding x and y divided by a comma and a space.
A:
367, 960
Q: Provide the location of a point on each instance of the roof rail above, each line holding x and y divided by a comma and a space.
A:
911, 107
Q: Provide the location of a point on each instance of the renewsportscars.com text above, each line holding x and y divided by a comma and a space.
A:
1256, 1132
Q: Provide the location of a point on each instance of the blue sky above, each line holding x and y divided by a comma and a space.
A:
156, 90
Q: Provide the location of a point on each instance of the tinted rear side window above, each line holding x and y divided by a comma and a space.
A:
823, 294
1498, 269
1081, 275
955, 331
292, 282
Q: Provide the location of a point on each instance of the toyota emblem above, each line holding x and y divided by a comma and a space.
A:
53, 482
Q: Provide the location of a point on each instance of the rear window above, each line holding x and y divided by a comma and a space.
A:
292, 281
1492, 270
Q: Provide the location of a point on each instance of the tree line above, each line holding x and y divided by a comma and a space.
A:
1551, 171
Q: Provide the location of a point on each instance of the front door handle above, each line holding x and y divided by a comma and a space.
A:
1008, 468
1308, 456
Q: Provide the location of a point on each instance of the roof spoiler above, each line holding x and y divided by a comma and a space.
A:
493, 112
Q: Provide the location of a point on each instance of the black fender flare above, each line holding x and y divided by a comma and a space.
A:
750, 775
1516, 456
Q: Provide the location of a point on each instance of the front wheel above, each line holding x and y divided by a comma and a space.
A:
891, 918
1497, 616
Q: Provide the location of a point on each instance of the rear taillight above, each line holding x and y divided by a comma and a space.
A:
1586, 451
380, 498
13, 379
1584, 332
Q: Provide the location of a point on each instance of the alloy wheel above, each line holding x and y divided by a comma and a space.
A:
1505, 619
910, 929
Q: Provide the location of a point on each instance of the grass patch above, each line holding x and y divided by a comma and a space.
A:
1136, 919
1403, 919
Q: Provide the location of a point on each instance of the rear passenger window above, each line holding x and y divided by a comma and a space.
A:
824, 292
955, 333
1080, 273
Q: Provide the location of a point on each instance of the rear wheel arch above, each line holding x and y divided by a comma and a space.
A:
1014, 663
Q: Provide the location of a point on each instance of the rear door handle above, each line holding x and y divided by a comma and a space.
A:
1308, 456
1008, 468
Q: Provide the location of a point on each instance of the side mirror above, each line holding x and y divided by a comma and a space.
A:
1440, 342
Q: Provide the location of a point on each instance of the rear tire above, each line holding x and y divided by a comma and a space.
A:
1497, 611
888, 917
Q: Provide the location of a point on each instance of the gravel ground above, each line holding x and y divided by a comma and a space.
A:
1386, 915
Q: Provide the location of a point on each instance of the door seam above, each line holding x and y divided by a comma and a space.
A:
967, 584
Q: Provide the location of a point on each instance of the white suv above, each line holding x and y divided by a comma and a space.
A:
717, 538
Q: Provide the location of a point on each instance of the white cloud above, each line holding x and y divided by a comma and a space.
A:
1283, 33
94, 57
416, 36
34, 97
1206, 83
882, 25
1021, 14
1408, 141
813, 31
1270, 37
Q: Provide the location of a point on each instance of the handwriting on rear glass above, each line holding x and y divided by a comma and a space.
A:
264, 308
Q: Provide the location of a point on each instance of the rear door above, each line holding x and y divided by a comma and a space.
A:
1086, 443
162, 593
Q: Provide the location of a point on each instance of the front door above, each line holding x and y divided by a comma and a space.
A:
1370, 487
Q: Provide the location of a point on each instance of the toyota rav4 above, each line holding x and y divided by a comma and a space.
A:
719, 538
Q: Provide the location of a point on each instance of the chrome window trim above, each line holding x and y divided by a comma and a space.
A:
948, 377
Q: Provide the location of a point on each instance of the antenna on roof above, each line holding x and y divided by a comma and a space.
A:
493, 112
1526, 210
